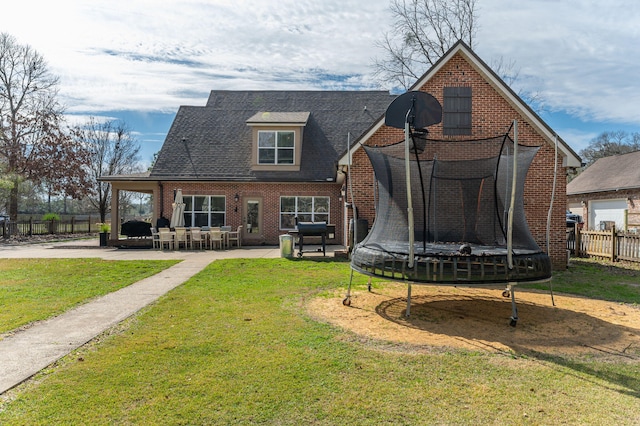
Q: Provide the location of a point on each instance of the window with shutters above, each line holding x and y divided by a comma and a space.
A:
456, 111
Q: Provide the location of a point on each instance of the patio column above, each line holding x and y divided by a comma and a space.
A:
155, 214
115, 212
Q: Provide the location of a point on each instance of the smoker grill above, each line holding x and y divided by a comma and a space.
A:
136, 228
311, 229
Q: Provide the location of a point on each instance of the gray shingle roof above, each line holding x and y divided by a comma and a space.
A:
214, 142
608, 174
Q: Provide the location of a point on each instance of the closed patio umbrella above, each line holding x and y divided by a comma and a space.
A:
177, 218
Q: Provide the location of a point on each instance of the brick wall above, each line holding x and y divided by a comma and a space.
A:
269, 193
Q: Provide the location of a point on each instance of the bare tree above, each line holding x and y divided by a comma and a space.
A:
114, 151
423, 31
610, 143
34, 142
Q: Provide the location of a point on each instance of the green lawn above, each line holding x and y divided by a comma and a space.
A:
603, 280
36, 289
233, 345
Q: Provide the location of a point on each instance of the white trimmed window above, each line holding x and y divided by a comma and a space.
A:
204, 210
276, 147
306, 209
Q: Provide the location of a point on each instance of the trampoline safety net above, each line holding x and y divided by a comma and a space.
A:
461, 195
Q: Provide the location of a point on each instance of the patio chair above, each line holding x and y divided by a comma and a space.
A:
155, 238
165, 238
235, 236
197, 238
181, 237
215, 239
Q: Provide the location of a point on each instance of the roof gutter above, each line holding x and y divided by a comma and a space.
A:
625, 188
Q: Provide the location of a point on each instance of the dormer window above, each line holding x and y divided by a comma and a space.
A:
276, 147
277, 140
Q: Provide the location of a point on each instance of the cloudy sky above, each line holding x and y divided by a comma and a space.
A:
139, 60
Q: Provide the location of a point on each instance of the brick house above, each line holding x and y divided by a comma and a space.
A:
608, 193
258, 158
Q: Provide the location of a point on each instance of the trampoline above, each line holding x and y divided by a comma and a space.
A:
464, 222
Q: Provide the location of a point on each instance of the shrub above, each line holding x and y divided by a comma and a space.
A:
104, 227
51, 216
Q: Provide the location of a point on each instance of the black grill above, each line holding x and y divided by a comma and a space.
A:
311, 229
136, 228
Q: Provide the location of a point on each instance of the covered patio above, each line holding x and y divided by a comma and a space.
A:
142, 183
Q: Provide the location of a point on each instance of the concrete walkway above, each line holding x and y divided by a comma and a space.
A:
28, 351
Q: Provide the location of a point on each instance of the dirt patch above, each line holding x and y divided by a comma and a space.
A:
478, 319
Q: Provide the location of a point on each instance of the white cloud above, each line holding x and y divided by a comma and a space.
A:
147, 55
581, 55
153, 55
577, 139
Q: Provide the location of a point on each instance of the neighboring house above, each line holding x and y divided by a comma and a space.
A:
607, 193
261, 158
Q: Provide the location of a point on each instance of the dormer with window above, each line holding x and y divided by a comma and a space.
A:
277, 140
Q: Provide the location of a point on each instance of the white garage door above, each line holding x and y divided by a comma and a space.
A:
603, 211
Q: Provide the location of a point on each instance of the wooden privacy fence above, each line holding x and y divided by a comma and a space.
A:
41, 227
611, 244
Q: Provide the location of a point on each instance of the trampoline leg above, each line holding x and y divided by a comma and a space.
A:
514, 308
347, 299
408, 312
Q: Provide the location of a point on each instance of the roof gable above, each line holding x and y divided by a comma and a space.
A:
570, 158
612, 173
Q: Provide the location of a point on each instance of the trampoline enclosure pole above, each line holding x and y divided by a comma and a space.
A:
409, 201
513, 196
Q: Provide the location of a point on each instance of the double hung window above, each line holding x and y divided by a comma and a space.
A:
276, 147
306, 209
204, 210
